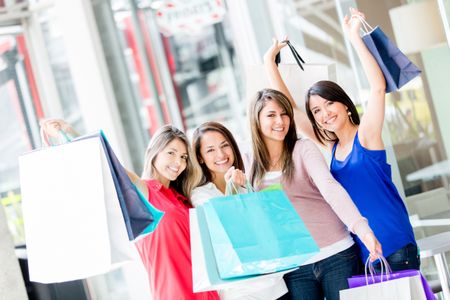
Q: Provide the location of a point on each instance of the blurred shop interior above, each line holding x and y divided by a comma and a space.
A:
130, 66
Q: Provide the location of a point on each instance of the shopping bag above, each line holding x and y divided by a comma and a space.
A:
139, 215
205, 275
256, 233
297, 81
406, 288
74, 225
408, 284
396, 66
295, 54
357, 281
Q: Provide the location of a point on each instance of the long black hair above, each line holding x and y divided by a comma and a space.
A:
196, 143
331, 91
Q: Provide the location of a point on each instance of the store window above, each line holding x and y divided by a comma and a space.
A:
413, 135
21, 107
183, 79
56, 53
18, 123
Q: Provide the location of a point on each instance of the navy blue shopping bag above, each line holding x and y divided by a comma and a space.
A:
395, 65
139, 215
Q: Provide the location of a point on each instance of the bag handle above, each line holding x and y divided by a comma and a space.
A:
232, 189
385, 269
297, 56
367, 28
64, 134
62, 138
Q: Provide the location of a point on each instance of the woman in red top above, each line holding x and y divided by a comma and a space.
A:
170, 174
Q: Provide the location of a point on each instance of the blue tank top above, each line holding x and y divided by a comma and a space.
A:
366, 176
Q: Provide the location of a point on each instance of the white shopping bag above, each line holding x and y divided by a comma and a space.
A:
74, 226
407, 288
206, 275
297, 81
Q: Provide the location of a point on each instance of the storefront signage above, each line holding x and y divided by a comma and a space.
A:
188, 16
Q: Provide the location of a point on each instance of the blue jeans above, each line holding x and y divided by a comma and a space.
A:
324, 278
405, 258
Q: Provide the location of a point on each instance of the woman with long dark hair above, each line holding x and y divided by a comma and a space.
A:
221, 161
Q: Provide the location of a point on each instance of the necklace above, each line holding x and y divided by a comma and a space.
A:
275, 165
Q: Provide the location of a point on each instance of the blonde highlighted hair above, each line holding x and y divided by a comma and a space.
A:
190, 177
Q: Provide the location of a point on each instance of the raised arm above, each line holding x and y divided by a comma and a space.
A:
337, 197
373, 118
51, 128
276, 82
138, 182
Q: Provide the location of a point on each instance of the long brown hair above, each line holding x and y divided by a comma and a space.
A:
261, 163
189, 178
332, 92
196, 143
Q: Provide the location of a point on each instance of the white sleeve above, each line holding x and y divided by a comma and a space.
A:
198, 197
203, 194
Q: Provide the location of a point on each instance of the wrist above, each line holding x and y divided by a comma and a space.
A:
354, 37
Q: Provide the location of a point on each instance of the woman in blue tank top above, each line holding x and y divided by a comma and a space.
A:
358, 153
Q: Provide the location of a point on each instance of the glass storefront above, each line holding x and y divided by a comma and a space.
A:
56, 53
184, 79
19, 127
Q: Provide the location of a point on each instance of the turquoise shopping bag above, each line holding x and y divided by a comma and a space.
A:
257, 233
205, 274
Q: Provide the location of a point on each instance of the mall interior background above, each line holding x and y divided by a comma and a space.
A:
105, 64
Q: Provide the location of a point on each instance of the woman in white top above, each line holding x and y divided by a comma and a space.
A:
220, 160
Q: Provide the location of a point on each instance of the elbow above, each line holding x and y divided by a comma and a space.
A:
378, 89
379, 86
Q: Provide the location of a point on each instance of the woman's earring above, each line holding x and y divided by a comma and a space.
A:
349, 113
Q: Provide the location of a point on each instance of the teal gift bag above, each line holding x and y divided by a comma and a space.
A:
257, 233
205, 274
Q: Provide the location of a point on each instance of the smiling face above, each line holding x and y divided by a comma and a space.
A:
171, 162
273, 121
329, 115
216, 153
